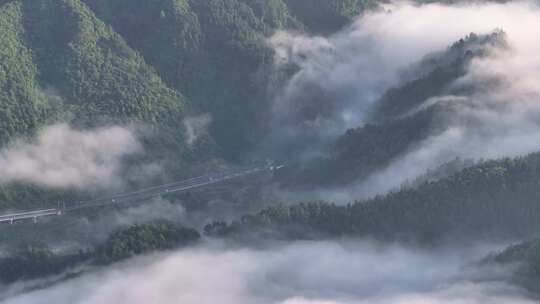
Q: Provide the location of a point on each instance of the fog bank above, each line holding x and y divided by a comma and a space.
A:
324, 272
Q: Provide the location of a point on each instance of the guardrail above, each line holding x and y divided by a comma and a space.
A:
33, 215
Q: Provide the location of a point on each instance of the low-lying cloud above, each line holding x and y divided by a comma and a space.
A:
77, 228
340, 78
63, 157
500, 119
195, 126
324, 272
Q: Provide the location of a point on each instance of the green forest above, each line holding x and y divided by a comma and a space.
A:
200, 84
39, 260
493, 199
149, 61
523, 260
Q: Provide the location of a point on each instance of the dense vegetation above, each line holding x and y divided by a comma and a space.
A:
148, 60
140, 239
494, 199
203, 49
435, 74
22, 107
146, 63
58, 62
153, 63
326, 16
63, 50
215, 51
524, 260
40, 261
35, 262
361, 151
94, 62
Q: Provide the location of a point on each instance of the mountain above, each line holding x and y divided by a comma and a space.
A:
203, 49
144, 61
403, 117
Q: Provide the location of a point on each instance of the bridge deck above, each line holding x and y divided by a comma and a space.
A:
145, 193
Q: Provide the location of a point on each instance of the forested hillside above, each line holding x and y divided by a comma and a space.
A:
208, 48
62, 64
157, 62
494, 199
403, 117
148, 61
85, 64
147, 64
327, 16
204, 49
361, 151
269, 151
22, 106
523, 260
435, 74
40, 261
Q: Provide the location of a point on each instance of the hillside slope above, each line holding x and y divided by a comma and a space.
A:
147, 61
524, 262
59, 63
146, 64
494, 199
22, 107
81, 60
422, 105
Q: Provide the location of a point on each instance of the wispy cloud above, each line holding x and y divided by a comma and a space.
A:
301, 273
63, 157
